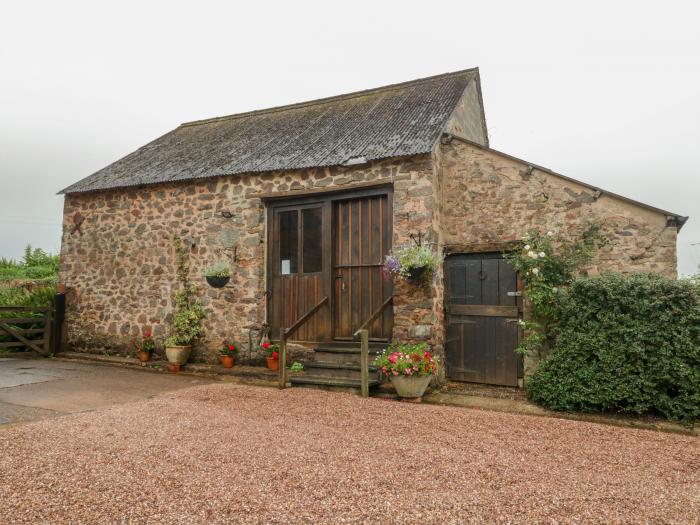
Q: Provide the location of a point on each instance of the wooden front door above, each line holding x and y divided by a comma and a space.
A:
482, 310
299, 267
362, 238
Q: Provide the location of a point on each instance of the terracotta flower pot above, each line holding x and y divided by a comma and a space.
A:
226, 361
174, 368
272, 363
178, 354
144, 357
410, 386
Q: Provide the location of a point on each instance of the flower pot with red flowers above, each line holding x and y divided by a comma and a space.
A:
271, 355
409, 367
146, 348
226, 353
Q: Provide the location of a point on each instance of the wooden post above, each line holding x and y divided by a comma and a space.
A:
57, 335
282, 359
48, 331
364, 361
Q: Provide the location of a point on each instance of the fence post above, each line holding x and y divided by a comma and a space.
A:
364, 362
59, 316
282, 360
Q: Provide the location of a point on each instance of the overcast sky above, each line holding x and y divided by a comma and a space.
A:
605, 92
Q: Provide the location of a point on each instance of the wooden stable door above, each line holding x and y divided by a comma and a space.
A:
482, 310
361, 238
299, 268
330, 250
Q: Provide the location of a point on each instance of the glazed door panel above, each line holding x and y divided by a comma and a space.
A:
362, 238
299, 269
482, 310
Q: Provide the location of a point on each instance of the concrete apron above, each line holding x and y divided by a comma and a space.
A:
32, 389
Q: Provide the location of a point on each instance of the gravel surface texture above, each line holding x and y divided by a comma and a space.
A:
237, 454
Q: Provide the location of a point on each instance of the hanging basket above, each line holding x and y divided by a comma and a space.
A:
417, 274
217, 282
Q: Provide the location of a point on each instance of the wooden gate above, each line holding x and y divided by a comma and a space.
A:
27, 327
362, 292
482, 309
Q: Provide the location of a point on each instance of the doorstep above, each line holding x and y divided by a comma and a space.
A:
256, 375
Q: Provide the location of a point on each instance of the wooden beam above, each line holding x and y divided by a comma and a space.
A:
482, 310
318, 191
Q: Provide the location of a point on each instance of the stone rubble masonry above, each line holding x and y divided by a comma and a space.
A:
490, 200
120, 269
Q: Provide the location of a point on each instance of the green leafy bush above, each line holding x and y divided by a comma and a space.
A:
189, 314
36, 264
627, 344
219, 269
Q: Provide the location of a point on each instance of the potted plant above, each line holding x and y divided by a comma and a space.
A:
271, 355
415, 263
188, 315
226, 353
148, 346
217, 275
409, 367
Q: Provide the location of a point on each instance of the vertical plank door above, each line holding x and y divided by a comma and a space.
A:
362, 238
481, 313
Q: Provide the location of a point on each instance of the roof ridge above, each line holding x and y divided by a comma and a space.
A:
354, 94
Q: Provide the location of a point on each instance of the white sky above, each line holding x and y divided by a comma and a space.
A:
606, 92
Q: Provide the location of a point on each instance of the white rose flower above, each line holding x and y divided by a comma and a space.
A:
554, 288
542, 254
527, 247
536, 271
549, 234
532, 254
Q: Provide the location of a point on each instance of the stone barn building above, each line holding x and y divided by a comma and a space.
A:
304, 202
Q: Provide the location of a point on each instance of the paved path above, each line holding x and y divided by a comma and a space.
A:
33, 389
225, 453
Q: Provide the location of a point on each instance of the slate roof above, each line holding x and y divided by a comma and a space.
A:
392, 121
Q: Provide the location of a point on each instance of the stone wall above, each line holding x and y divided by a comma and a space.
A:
490, 200
467, 119
120, 267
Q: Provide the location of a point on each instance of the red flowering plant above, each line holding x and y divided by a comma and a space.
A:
228, 348
270, 350
148, 344
407, 359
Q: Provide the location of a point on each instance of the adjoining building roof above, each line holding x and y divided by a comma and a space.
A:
392, 121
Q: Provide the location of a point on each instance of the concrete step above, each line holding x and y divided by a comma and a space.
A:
326, 383
338, 370
344, 355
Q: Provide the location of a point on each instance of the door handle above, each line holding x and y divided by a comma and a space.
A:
514, 294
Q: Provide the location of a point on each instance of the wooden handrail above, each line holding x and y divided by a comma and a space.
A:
284, 335
304, 317
374, 315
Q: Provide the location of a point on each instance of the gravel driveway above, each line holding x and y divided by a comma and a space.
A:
234, 454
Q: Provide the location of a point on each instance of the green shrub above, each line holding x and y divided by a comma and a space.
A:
627, 344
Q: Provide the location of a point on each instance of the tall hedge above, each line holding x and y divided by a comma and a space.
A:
627, 344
